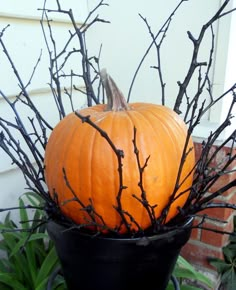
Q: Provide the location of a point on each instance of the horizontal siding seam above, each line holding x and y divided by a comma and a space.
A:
34, 18
43, 90
9, 170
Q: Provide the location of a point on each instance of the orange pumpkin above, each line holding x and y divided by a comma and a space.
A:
82, 169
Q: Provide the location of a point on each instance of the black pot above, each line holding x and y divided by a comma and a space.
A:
100, 263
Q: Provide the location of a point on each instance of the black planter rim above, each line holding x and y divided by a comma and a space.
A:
149, 238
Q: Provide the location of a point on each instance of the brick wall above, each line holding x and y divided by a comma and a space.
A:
203, 243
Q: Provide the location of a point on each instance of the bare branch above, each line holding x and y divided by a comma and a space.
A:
194, 62
166, 23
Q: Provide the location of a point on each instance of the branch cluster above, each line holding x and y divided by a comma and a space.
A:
34, 137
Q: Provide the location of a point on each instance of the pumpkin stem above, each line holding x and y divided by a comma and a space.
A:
115, 99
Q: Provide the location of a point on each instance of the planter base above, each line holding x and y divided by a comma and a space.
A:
97, 263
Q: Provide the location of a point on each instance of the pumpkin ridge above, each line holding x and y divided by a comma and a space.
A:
89, 178
157, 137
103, 195
166, 131
125, 202
74, 181
142, 212
165, 128
179, 125
126, 166
63, 153
91, 145
135, 115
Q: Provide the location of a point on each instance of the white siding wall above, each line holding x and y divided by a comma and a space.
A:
124, 43
230, 76
24, 42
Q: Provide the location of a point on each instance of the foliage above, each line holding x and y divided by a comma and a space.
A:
185, 272
29, 256
226, 267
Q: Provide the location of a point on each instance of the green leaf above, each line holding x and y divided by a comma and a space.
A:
7, 218
184, 264
42, 284
10, 280
22, 241
49, 263
229, 254
188, 287
232, 238
59, 283
192, 275
29, 256
60, 287
220, 265
20, 266
33, 198
23, 215
5, 287
184, 273
229, 279
4, 265
185, 270
170, 286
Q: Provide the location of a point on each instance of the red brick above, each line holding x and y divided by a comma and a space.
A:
197, 253
221, 157
195, 234
218, 162
230, 198
216, 239
223, 214
222, 181
218, 213
198, 150
204, 243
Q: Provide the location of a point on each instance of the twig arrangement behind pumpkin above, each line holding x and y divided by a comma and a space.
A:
35, 137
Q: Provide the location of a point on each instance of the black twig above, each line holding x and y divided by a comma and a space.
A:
150, 46
32, 132
158, 46
143, 199
194, 62
120, 155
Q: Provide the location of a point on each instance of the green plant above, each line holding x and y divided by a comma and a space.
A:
29, 256
188, 277
226, 267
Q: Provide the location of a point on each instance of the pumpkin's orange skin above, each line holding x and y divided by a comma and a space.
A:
92, 169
